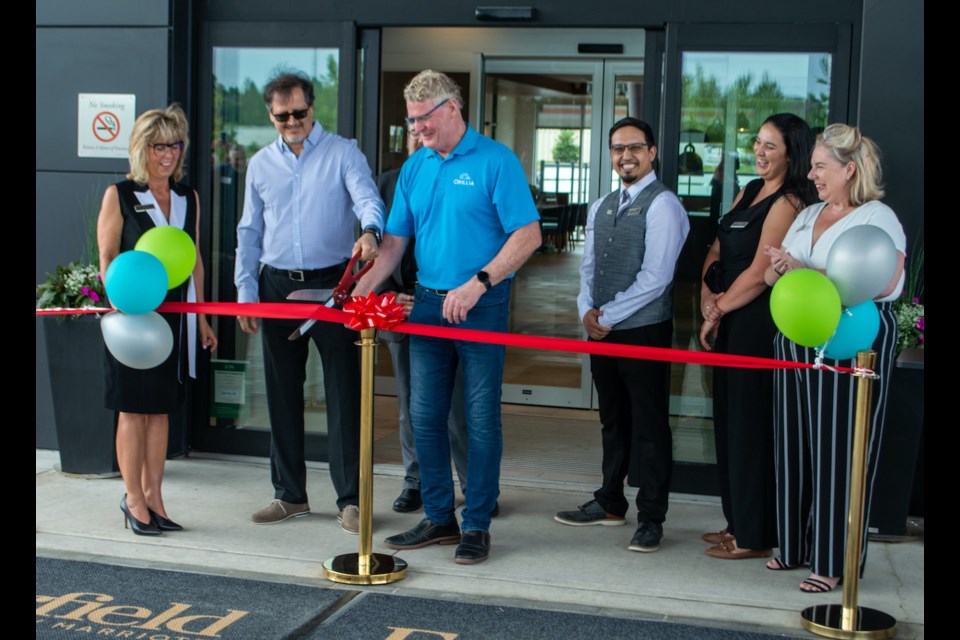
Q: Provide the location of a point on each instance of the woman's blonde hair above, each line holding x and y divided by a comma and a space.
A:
847, 144
157, 125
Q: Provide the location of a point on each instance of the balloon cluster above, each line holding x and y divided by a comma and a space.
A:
137, 282
835, 313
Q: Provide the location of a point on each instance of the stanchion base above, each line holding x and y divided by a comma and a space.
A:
827, 620
384, 569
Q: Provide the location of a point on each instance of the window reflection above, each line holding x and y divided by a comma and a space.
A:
240, 129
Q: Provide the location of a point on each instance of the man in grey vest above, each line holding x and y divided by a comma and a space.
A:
634, 236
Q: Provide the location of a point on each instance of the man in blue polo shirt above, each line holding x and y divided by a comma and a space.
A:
466, 200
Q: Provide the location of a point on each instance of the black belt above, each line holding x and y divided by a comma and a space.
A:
439, 292
302, 275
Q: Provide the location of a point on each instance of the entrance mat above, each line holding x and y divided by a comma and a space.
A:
374, 616
91, 600
78, 600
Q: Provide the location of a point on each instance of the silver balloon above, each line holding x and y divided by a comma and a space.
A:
138, 341
861, 263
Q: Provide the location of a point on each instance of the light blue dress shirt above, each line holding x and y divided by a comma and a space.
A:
302, 212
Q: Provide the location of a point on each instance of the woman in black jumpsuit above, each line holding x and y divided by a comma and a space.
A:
735, 303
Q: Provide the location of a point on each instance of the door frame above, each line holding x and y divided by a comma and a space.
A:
275, 35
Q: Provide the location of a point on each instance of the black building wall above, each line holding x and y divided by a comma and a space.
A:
98, 46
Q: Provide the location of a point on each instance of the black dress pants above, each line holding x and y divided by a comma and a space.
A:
285, 371
634, 398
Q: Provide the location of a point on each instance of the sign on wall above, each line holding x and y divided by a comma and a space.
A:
104, 122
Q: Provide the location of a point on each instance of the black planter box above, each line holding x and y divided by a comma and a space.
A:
85, 430
901, 449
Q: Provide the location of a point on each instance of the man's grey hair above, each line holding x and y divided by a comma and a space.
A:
432, 85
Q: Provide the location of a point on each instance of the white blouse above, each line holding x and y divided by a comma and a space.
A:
799, 239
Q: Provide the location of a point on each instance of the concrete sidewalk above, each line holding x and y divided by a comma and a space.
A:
534, 562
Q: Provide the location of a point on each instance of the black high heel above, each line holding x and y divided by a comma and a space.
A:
139, 528
164, 524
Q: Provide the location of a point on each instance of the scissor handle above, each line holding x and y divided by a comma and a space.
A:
342, 290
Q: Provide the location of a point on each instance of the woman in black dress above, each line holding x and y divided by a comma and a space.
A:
150, 197
735, 303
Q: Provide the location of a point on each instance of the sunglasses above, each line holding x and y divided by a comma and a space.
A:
160, 147
297, 115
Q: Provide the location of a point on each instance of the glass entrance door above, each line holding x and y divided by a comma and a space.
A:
240, 60
554, 115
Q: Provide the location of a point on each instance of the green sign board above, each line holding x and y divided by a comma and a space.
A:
228, 388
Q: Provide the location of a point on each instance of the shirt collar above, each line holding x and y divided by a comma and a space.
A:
466, 144
641, 184
312, 140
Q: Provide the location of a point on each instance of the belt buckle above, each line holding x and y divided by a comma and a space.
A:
295, 274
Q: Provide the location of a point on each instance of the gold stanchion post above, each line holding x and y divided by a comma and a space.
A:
849, 620
365, 567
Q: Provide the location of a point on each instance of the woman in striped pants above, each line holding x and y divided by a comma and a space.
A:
813, 408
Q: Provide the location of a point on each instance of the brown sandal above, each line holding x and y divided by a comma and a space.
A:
726, 551
716, 537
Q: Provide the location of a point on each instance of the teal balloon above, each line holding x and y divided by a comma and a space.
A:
140, 342
856, 331
174, 248
805, 307
136, 282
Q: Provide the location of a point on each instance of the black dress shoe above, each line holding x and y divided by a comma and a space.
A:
139, 528
164, 524
474, 547
425, 534
409, 500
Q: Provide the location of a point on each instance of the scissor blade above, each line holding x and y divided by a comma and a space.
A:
310, 295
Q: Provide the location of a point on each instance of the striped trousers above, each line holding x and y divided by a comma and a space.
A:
814, 416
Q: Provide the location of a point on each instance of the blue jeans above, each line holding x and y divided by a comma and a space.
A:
433, 366
457, 423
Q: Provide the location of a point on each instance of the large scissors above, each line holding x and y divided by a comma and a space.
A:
330, 297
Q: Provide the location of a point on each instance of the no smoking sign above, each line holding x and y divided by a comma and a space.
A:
106, 126
104, 121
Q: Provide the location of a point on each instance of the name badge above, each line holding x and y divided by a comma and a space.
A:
141, 208
742, 224
633, 211
226, 180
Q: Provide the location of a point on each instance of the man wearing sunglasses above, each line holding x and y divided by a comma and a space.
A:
634, 237
305, 194
466, 200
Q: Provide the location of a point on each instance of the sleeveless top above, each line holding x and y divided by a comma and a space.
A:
739, 232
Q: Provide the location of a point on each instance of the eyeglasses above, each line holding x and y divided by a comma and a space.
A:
297, 115
636, 147
423, 119
160, 147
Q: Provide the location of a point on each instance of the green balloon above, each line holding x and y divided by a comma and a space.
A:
175, 250
805, 306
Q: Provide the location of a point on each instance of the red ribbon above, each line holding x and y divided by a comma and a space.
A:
380, 312
302, 311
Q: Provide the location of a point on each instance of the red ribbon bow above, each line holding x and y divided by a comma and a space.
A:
381, 312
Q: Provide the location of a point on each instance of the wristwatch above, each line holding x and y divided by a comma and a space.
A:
375, 231
484, 277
